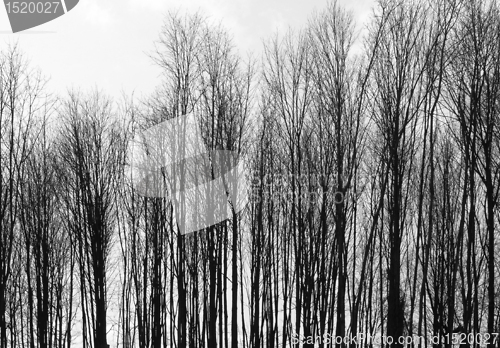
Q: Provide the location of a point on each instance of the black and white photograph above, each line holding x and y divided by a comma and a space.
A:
250, 174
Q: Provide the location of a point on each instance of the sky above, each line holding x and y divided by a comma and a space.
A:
105, 44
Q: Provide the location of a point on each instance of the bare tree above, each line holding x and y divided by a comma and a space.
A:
20, 103
91, 156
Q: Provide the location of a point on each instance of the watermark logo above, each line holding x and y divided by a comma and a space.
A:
205, 187
31, 13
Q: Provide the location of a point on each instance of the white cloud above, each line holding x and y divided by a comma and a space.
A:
96, 13
154, 5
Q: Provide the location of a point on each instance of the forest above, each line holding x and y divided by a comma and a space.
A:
371, 152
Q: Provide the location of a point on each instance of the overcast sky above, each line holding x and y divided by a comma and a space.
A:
104, 43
